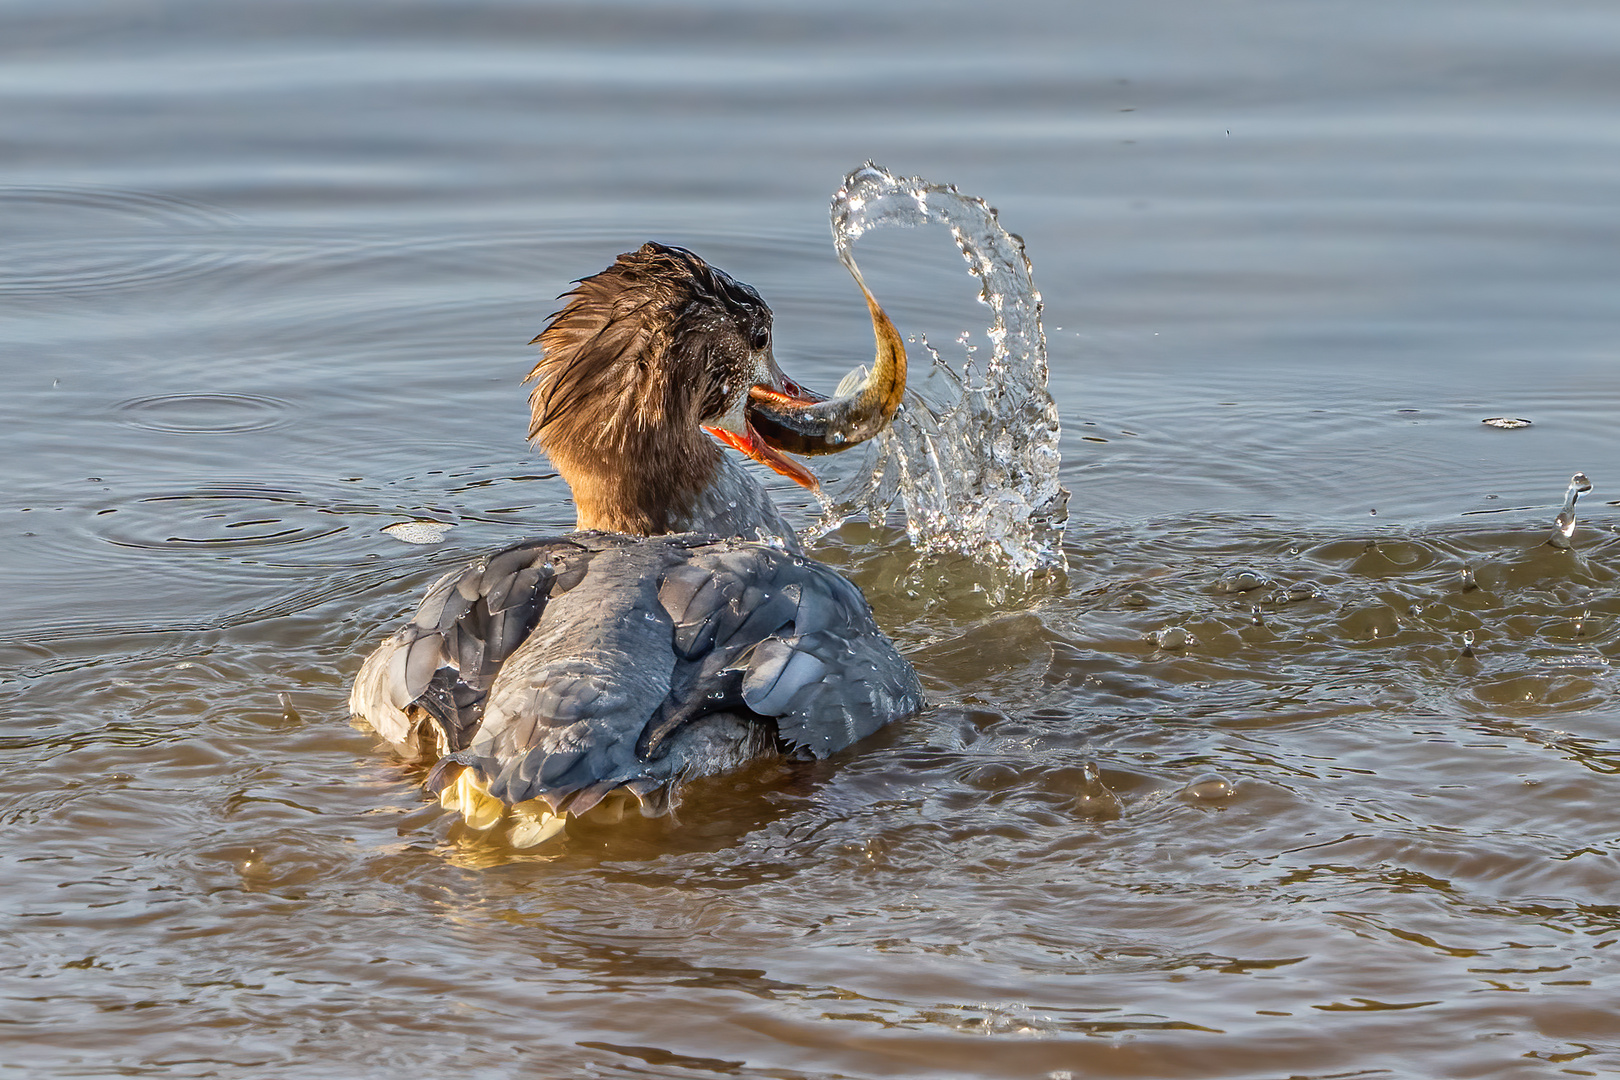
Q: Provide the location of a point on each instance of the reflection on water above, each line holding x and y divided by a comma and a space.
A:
1305, 767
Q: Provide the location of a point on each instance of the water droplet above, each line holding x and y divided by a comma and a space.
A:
1564, 524
1094, 800
1468, 582
1468, 643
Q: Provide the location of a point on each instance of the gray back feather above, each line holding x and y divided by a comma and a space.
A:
649, 660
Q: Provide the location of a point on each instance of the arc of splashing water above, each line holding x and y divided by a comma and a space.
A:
979, 475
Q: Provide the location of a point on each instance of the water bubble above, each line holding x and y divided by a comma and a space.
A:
1468, 582
1240, 581
1468, 643
1173, 637
1209, 789
1293, 594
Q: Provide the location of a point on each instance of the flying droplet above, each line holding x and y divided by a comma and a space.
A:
1564, 524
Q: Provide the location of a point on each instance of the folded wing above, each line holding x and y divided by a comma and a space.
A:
646, 661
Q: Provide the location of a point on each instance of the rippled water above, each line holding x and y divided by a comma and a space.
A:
1306, 768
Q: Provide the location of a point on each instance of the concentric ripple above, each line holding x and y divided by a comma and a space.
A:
85, 241
203, 414
232, 517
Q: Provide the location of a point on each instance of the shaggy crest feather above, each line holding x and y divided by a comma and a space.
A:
644, 353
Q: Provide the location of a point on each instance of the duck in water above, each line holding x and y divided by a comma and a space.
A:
680, 631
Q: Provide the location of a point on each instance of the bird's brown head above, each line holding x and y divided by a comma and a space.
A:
645, 355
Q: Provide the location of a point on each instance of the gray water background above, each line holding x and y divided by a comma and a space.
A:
267, 272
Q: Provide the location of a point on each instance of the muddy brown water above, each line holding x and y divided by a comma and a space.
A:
1235, 798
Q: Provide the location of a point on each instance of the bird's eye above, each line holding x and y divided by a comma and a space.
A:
760, 338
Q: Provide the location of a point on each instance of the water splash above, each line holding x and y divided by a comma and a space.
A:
1564, 524
1094, 799
977, 474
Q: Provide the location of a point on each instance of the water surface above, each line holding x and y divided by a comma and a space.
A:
1306, 768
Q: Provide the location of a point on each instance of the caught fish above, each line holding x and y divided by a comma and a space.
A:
798, 422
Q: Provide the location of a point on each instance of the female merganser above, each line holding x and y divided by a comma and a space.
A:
680, 631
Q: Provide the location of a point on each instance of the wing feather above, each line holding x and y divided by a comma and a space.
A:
606, 661
435, 672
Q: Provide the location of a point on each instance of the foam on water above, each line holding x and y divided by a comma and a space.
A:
977, 473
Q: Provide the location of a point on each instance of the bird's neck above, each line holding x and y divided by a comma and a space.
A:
649, 486
685, 488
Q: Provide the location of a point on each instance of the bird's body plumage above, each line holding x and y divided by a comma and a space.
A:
680, 633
